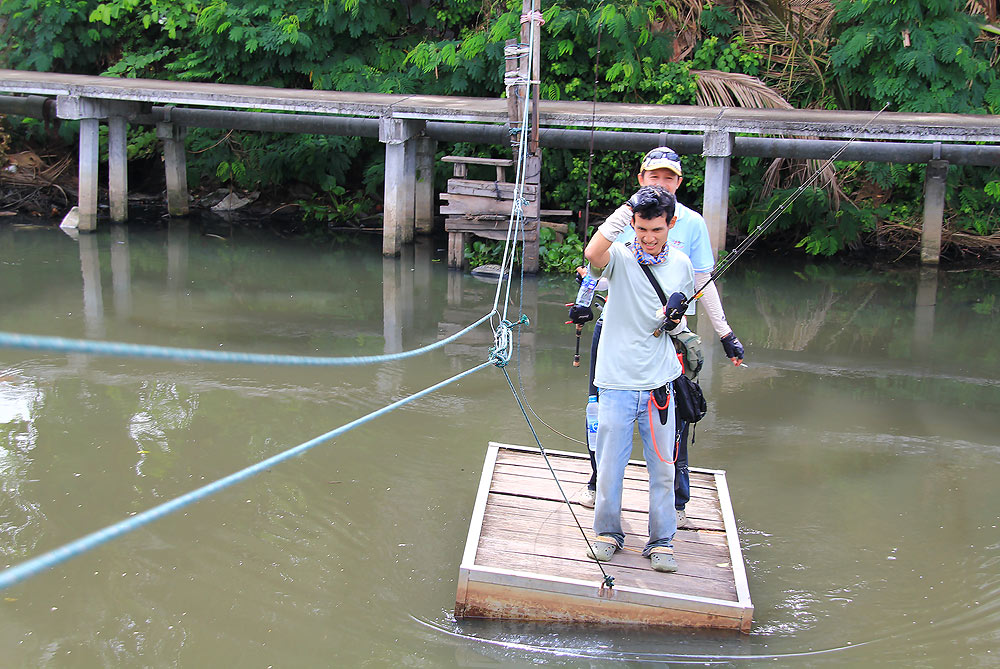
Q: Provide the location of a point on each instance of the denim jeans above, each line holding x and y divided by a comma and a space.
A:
682, 475
619, 412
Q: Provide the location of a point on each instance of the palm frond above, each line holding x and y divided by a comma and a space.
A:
730, 89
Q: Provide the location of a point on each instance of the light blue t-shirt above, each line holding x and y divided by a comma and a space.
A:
629, 357
689, 234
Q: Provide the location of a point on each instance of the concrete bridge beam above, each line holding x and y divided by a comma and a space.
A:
718, 153
934, 192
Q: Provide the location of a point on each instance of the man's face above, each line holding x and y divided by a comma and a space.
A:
660, 177
651, 233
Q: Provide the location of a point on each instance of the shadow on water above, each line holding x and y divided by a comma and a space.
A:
860, 445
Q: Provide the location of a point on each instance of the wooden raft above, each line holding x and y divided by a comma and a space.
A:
525, 558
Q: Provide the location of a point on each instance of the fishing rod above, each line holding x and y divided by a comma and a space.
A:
590, 165
679, 309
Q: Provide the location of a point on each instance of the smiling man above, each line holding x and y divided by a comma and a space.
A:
635, 370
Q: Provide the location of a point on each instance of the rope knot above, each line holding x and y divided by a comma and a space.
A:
535, 16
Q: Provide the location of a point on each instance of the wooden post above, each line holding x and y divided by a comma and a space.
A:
175, 162
934, 192
718, 152
117, 168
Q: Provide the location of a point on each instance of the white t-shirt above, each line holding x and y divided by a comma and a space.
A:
629, 357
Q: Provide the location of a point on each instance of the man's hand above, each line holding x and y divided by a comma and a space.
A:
633, 201
676, 306
579, 315
733, 347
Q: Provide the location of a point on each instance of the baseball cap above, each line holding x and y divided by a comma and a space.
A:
662, 156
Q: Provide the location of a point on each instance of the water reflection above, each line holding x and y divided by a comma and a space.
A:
860, 444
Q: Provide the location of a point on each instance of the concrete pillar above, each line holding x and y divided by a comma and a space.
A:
117, 168
718, 152
400, 179
424, 196
934, 191
175, 161
87, 196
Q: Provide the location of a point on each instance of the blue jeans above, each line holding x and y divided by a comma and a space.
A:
619, 412
682, 479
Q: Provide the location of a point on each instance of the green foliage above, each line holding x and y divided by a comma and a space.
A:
719, 21
813, 224
55, 35
484, 252
915, 55
716, 54
559, 257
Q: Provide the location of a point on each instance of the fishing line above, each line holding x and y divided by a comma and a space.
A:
760, 229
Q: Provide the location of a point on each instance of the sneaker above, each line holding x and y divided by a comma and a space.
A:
662, 559
588, 498
682, 520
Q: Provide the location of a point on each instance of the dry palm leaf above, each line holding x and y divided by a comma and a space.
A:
791, 37
729, 89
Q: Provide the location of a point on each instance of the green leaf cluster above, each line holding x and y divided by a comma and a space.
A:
915, 55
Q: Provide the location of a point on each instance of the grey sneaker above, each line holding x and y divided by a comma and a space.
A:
588, 498
682, 520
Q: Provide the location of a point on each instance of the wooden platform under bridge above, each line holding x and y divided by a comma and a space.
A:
525, 558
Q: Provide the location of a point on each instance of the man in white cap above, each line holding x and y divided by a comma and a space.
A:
662, 167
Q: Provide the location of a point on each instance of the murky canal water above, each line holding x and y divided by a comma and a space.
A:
861, 445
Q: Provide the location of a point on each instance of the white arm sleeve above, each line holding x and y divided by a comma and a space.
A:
713, 304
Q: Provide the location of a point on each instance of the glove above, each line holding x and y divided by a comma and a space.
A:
733, 347
578, 315
633, 201
615, 223
676, 306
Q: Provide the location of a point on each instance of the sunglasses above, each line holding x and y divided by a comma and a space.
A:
658, 155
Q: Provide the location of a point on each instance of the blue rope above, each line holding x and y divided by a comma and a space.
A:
60, 344
18, 573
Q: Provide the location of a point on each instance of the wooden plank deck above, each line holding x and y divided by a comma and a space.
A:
525, 557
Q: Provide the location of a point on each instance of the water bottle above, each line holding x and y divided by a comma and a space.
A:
592, 422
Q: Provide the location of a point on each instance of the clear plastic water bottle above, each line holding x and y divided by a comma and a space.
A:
592, 422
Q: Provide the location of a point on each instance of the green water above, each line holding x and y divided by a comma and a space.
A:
860, 444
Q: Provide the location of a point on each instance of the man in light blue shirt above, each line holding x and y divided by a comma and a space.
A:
635, 370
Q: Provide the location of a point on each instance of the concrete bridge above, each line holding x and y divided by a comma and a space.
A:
410, 125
